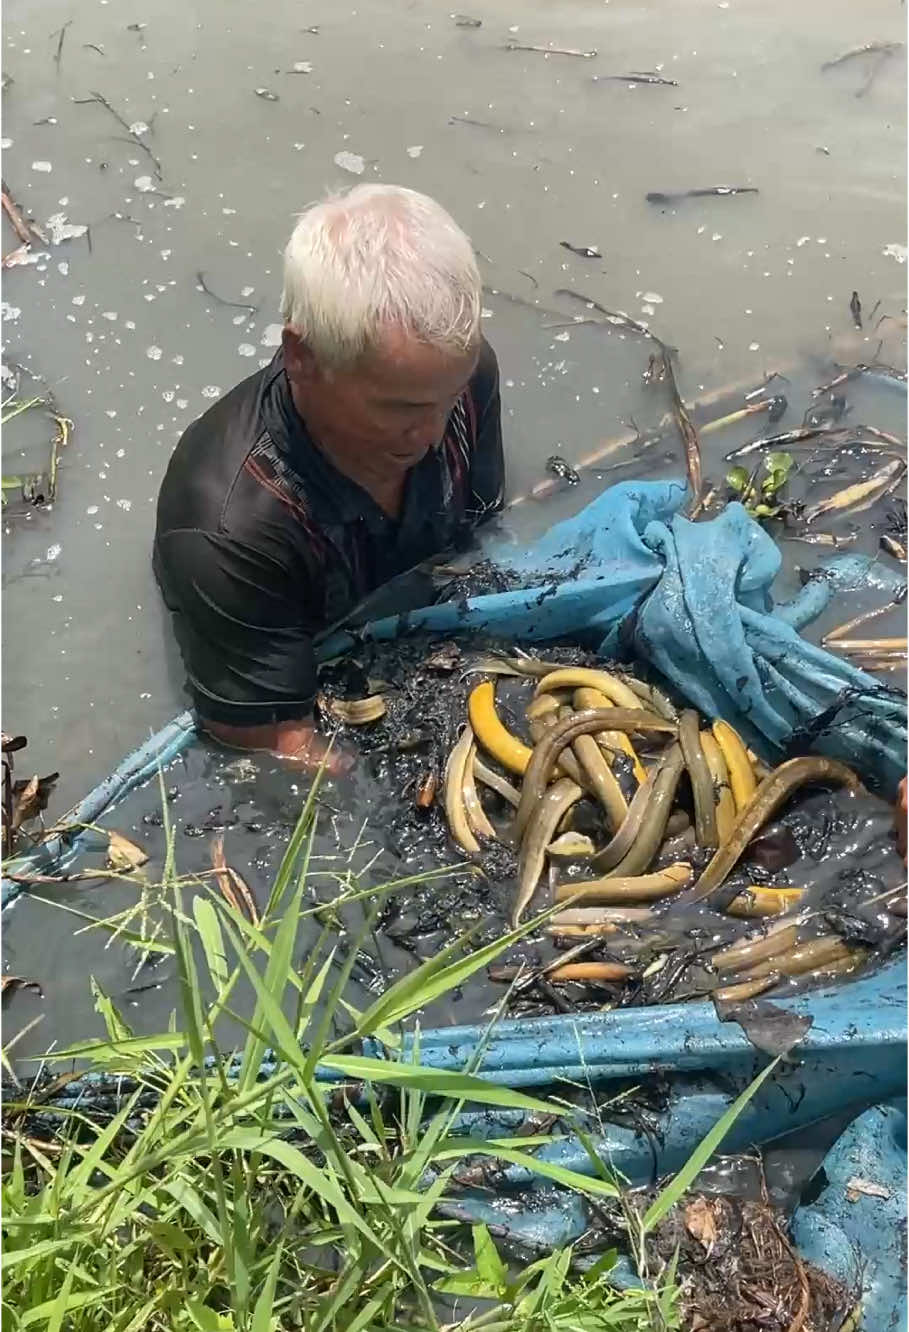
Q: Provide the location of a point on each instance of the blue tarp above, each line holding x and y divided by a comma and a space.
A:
636, 580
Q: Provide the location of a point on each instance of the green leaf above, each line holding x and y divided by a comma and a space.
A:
433, 978
737, 478
432, 1081
262, 1319
212, 941
689, 1172
489, 1265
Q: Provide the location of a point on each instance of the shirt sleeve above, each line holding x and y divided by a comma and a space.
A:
239, 622
487, 466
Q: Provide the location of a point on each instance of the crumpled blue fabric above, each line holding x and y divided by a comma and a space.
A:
632, 577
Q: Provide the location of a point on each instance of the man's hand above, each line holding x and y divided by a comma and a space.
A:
296, 743
901, 818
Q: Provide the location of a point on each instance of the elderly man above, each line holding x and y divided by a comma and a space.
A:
370, 443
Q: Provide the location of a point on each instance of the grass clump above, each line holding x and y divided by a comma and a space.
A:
290, 1184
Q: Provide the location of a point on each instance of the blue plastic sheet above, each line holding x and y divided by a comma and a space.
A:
636, 580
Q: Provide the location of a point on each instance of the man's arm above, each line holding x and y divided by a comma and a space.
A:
248, 655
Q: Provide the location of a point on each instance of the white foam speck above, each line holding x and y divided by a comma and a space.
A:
168, 395
302, 67
176, 202
352, 162
143, 184
92, 510
895, 251
486, 314
211, 391
109, 314
6, 143
53, 552
63, 268
246, 349
415, 150
272, 335
802, 240
177, 360
124, 504
247, 291
138, 127
652, 298
9, 313
563, 337
41, 166
754, 346
239, 319
153, 353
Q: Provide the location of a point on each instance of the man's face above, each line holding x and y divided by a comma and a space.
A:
386, 412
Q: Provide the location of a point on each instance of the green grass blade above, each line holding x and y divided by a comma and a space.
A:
689, 1172
432, 1081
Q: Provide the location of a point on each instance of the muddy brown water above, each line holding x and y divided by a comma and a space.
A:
116, 324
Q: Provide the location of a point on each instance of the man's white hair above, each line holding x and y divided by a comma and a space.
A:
377, 256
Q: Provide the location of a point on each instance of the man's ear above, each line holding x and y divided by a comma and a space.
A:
299, 361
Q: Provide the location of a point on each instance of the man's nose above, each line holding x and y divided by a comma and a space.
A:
429, 429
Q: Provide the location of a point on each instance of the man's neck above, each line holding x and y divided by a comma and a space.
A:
388, 492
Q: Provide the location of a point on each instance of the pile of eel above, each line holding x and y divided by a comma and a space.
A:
610, 740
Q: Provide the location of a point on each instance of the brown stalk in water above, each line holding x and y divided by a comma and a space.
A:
230, 882
842, 629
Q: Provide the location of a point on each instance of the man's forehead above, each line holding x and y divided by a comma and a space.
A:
402, 357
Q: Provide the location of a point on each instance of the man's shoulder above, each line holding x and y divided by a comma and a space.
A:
210, 458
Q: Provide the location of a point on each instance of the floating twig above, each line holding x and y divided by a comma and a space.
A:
124, 124
855, 309
22, 229
480, 124
234, 305
647, 77
92, 46
841, 630
616, 317
60, 35
690, 439
869, 48
549, 50
656, 197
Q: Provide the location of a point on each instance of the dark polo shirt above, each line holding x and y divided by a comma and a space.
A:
262, 545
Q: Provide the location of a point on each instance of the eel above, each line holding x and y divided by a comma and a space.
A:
540, 830
741, 773
642, 887
773, 791
549, 749
701, 780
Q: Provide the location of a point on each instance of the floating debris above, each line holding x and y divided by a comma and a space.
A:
855, 309
563, 470
583, 251
59, 230
266, 94
549, 50
646, 77
351, 162
465, 21
721, 191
